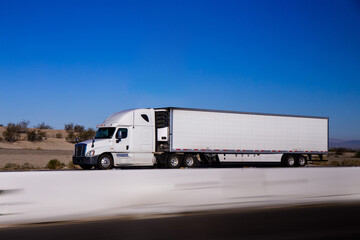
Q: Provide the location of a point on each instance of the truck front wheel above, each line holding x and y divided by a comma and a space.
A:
105, 162
174, 161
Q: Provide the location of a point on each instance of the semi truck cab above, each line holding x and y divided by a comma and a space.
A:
125, 138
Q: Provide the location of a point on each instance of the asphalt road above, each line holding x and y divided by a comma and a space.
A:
326, 221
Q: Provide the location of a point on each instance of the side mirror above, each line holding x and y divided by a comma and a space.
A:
118, 136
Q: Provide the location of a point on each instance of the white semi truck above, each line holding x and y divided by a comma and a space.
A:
174, 137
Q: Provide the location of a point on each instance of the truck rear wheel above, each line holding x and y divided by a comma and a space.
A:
105, 162
301, 161
189, 161
173, 161
289, 161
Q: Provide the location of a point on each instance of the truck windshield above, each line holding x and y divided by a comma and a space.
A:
105, 133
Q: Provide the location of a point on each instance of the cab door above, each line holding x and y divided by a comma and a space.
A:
122, 147
144, 137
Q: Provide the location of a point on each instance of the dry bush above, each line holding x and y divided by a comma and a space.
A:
27, 166
33, 135
11, 166
11, 133
55, 164
43, 125
69, 127
339, 151
79, 133
58, 135
72, 166
13, 130
79, 128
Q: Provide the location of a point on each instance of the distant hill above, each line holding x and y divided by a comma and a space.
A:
337, 143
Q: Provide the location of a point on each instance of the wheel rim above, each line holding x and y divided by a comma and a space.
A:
174, 161
302, 161
189, 162
105, 162
291, 161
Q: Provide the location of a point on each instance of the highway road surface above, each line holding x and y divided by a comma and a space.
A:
320, 221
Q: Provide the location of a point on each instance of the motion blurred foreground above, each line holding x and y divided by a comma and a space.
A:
51, 196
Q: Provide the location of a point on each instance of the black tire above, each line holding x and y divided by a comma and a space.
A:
189, 161
289, 161
300, 161
105, 161
173, 161
86, 167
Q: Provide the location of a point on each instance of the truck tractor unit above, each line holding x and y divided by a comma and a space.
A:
181, 137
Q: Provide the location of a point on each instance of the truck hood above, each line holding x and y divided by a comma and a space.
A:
99, 143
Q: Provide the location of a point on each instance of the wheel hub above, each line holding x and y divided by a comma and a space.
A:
174, 161
105, 162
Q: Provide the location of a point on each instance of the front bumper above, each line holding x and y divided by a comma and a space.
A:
85, 160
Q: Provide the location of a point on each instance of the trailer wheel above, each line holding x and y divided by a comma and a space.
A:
86, 167
105, 162
173, 161
301, 161
190, 161
289, 161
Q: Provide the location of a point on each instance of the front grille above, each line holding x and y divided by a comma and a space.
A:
80, 150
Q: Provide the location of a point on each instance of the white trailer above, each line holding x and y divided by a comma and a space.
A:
175, 137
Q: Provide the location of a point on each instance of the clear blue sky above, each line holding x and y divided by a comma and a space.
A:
80, 61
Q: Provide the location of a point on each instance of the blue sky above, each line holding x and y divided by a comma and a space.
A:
80, 61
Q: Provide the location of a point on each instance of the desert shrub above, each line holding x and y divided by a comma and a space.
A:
71, 137
58, 135
339, 151
1, 125
1, 139
27, 166
357, 154
79, 128
69, 126
43, 125
335, 163
33, 135
11, 166
41, 135
55, 164
72, 166
22, 126
86, 134
351, 162
13, 130
80, 133
11, 134
345, 163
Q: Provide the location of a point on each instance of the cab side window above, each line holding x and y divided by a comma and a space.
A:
124, 132
145, 117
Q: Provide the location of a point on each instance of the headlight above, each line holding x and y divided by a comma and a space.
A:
90, 153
